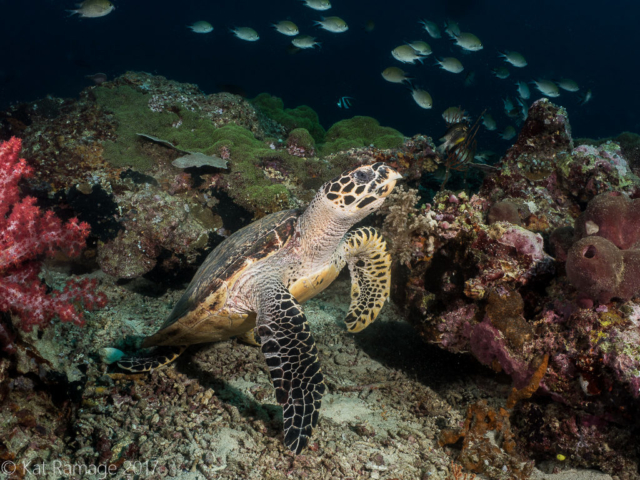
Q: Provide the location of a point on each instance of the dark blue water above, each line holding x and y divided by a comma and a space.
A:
594, 43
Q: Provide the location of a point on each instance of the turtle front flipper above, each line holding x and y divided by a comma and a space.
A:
161, 356
365, 251
292, 358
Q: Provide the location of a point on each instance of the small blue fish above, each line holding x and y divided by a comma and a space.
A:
344, 102
585, 97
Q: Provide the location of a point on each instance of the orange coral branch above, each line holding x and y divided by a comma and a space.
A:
534, 383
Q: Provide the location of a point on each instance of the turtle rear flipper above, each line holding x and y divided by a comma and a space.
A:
292, 358
370, 266
161, 356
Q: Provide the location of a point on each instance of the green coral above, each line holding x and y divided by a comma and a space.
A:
302, 116
259, 174
360, 132
301, 138
130, 108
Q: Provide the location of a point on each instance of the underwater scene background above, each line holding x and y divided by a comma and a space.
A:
593, 43
484, 157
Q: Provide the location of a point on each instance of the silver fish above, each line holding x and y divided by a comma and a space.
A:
514, 58
333, 24
431, 28
93, 8
547, 88
450, 64
246, 33
305, 41
523, 90
201, 27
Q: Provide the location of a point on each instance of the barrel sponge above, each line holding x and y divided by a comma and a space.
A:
613, 216
601, 271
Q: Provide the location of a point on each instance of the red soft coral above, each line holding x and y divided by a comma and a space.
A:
26, 232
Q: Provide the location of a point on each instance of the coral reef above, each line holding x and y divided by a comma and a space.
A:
407, 227
26, 232
504, 211
528, 362
629, 143
602, 252
300, 143
153, 215
485, 285
601, 271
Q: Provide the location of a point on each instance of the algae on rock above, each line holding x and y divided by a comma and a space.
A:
261, 178
360, 132
183, 128
302, 116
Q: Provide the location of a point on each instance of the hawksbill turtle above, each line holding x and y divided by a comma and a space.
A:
254, 282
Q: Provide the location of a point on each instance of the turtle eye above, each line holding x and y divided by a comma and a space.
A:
361, 176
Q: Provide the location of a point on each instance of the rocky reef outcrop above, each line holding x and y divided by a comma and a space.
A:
479, 279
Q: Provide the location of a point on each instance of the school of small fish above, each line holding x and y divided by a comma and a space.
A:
408, 53
515, 110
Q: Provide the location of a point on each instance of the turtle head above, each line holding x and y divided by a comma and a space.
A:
358, 192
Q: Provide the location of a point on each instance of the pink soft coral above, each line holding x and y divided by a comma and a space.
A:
26, 232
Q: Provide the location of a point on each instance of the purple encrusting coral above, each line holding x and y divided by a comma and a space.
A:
489, 288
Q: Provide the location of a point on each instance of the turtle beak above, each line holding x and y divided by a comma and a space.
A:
389, 184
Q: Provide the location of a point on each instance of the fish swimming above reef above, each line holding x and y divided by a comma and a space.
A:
468, 41
547, 88
459, 145
93, 8
508, 133
422, 98
450, 64
456, 134
509, 108
524, 109
568, 85
406, 54
586, 97
421, 47
395, 75
431, 28
97, 78
454, 115
332, 24
304, 42
452, 28
246, 33
514, 58
319, 5
344, 102
523, 90
501, 72
488, 122
201, 27
286, 27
